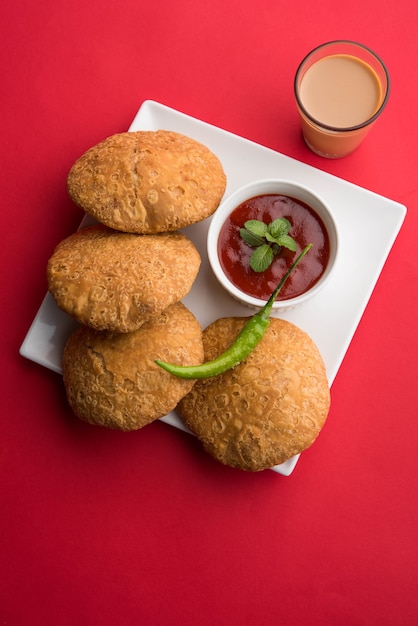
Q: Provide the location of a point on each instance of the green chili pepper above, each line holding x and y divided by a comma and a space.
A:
245, 342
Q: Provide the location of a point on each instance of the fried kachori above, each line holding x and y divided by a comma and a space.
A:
147, 181
111, 379
110, 280
265, 410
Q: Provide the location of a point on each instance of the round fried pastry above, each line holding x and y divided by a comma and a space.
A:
267, 409
110, 280
111, 379
147, 181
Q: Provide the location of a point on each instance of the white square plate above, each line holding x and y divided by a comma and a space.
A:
330, 318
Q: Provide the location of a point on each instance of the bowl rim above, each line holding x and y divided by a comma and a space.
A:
260, 187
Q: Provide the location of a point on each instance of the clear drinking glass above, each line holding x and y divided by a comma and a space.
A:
341, 88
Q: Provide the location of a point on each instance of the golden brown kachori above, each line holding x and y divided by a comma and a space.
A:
147, 181
265, 410
111, 379
110, 280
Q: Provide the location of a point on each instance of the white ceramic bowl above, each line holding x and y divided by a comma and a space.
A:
280, 187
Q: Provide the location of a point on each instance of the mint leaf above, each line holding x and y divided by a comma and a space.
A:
271, 238
257, 227
287, 242
261, 258
268, 240
279, 227
250, 238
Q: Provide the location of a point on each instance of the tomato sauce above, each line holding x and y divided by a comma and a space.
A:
306, 227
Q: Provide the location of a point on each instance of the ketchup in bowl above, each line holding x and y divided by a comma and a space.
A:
306, 227
292, 217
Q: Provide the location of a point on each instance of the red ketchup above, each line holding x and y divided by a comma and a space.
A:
306, 227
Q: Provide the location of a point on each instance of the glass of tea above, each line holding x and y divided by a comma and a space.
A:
341, 88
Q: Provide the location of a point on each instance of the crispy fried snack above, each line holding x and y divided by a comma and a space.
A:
110, 280
147, 181
265, 410
111, 379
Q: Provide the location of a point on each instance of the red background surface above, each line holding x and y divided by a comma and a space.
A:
98, 527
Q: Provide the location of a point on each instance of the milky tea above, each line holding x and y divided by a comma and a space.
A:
341, 88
